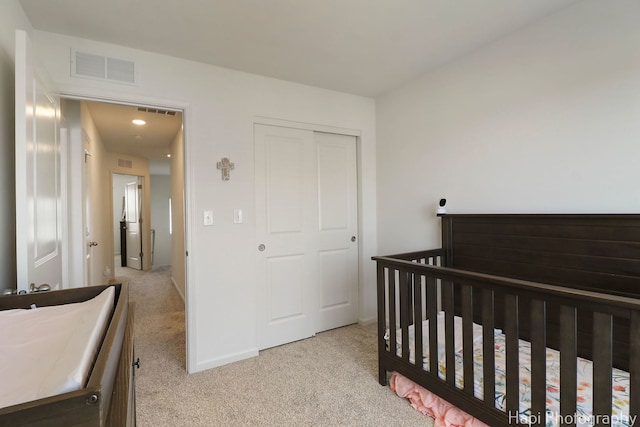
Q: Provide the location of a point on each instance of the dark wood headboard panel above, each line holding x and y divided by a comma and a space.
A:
582, 251
587, 251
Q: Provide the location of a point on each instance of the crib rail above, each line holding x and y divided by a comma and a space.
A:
413, 287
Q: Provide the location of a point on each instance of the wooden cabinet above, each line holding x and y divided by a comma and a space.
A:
123, 403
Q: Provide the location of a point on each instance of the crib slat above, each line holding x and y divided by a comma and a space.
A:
488, 345
382, 373
417, 319
568, 359
447, 297
405, 314
467, 338
512, 358
393, 339
634, 364
602, 362
432, 314
538, 361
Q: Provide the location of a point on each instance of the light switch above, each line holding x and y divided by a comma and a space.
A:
207, 217
237, 216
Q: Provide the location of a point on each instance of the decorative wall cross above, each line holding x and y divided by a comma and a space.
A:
226, 166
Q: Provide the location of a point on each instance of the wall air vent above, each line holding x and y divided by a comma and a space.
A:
101, 67
123, 163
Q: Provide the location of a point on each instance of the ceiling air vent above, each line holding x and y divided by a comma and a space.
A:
101, 67
157, 111
123, 163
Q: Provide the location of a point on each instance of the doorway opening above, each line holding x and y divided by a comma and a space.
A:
105, 144
128, 224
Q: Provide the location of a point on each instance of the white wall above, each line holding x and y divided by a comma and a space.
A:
160, 193
545, 120
99, 207
75, 185
12, 17
220, 108
178, 258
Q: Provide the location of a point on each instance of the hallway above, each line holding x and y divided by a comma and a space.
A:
159, 336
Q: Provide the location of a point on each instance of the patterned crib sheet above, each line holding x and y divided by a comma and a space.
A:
583, 418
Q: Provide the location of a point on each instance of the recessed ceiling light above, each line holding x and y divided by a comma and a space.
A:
138, 122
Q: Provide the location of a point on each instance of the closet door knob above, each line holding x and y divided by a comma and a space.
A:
353, 238
262, 247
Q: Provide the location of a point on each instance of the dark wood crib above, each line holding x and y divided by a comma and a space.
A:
566, 282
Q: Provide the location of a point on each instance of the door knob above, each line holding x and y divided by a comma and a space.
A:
93, 244
262, 247
353, 238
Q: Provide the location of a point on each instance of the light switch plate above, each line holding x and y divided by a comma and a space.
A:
207, 217
237, 216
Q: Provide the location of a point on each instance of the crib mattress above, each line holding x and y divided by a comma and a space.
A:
45, 351
620, 387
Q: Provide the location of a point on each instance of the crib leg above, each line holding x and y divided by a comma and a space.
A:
382, 376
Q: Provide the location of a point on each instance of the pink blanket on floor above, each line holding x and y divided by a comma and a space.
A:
444, 413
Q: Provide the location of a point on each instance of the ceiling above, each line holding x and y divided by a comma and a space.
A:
363, 47
120, 135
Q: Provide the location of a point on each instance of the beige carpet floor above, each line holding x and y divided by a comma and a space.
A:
327, 380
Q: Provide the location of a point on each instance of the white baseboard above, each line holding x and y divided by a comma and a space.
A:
368, 321
214, 363
175, 285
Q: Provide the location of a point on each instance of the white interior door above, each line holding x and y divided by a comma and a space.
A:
337, 231
89, 243
133, 209
305, 219
285, 172
38, 190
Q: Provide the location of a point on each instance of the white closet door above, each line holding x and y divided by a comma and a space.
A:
306, 217
286, 218
337, 231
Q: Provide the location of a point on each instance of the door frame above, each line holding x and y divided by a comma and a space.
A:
264, 120
188, 184
146, 220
